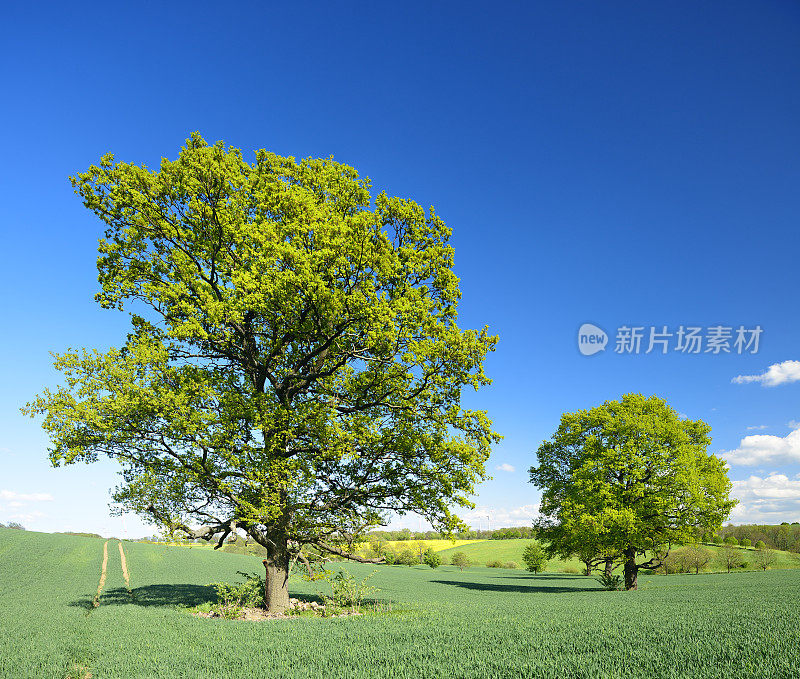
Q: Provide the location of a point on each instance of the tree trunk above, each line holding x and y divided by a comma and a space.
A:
588, 565
276, 587
609, 567
631, 569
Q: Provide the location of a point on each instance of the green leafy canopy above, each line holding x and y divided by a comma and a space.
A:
629, 476
294, 366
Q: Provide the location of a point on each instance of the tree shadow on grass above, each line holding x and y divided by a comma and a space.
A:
524, 589
153, 595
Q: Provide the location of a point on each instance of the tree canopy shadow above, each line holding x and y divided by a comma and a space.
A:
153, 595
520, 588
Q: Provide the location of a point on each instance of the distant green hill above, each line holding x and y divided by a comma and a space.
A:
481, 553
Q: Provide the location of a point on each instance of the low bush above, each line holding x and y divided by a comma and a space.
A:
610, 581
494, 564
510, 564
431, 558
535, 558
346, 590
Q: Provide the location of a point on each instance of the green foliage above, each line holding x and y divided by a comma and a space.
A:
630, 476
745, 542
716, 539
731, 558
535, 558
496, 563
731, 540
610, 581
698, 558
432, 558
764, 558
760, 545
677, 561
347, 591
290, 328
460, 560
405, 556
510, 564
247, 594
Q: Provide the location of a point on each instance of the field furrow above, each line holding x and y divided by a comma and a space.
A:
103, 568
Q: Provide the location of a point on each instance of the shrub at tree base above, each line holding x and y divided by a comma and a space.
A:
610, 581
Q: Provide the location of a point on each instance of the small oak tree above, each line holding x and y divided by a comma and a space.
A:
731, 557
460, 560
431, 558
630, 476
294, 366
535, 557
697, 558
764, 558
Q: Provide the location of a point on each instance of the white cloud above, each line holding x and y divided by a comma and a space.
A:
25, 497
777, 373
758, 426
765, 449
771, 499
25, 518
498, 517
505, 467
501, 517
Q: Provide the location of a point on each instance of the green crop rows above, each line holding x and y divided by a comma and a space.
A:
479, 623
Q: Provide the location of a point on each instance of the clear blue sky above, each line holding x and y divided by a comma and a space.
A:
614, 163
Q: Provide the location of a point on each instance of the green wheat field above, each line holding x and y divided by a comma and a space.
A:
443, 623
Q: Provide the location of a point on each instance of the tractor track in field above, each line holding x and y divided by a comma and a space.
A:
96, 600
125, 573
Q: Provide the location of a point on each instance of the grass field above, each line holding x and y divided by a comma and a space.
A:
479, 623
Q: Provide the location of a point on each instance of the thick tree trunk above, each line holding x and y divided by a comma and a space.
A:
276, 587
588, 566
609, 567
631, 569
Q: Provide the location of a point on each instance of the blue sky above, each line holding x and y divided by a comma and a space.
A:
623, 164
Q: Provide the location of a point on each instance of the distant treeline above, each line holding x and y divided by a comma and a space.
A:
786, 536
497, 534
83, 535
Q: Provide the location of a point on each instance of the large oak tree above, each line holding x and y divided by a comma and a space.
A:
629, 477
294, 367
